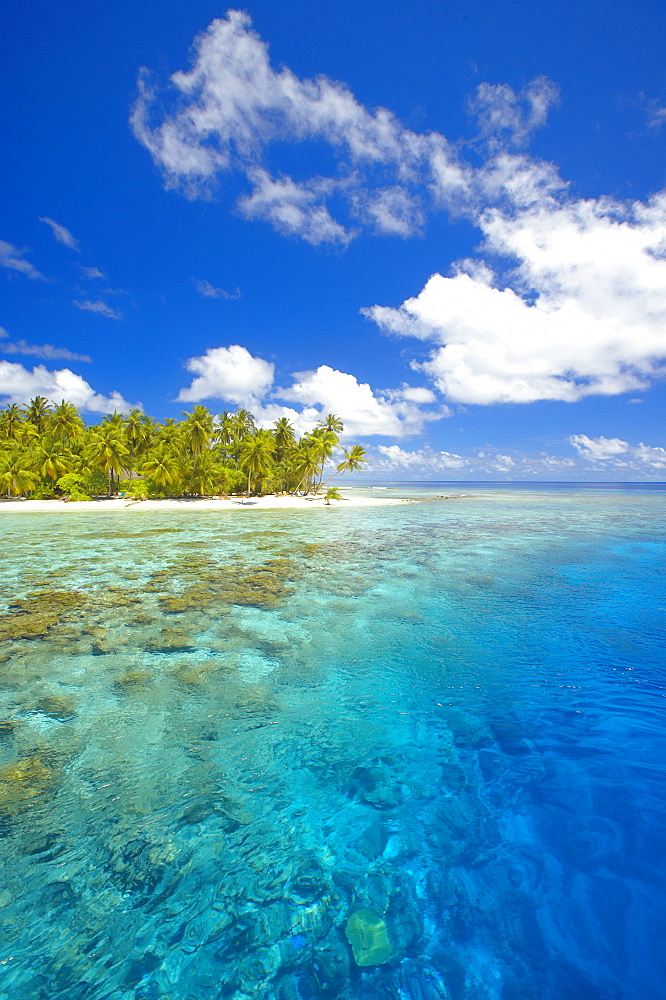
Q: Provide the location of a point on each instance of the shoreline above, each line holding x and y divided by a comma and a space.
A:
270, 502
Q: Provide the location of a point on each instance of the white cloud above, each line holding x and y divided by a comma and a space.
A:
12, 257
390, 413
598, 448
47, 351
504, 115
605, 459
211, 292
581, 313
61, 234
393, 458
229, 373
293, 209
234, 375
619, 453
99, 307
92, 272
20, 385
232, 105
654, 457
656, 114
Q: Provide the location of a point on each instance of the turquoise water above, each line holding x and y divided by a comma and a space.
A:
224, 733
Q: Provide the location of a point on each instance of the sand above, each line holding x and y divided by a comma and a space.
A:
217, 503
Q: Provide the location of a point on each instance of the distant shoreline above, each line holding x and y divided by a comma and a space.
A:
271, 502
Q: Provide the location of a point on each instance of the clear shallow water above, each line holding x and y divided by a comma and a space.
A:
237, 729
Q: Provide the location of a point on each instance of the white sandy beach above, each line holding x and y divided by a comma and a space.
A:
216, 503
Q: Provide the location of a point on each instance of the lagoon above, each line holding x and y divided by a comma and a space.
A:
225, 736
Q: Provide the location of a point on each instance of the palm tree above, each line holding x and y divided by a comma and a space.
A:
162, 464
284, 437
106, 449
322, 443
66, 423
138, 429
353, 460
38, 411
306, 464
332, 423
16, 476
243, 424
225, 432
115, 420
50, 460
169, 433
10, 421
206, 478
26, 433
256, 456
197, 432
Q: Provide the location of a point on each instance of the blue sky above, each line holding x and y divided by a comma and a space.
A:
446, 222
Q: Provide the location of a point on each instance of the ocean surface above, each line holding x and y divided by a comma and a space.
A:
411, 752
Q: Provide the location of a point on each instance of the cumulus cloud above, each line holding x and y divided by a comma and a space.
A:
61, 234
389, 413
92, 272
563, 299
392, 458
605, 459
228, 373
581, 312
427, 463
598, 448
97, 306
235, 376
618, 453
12, 257
47, 351
20, 385
232, 105
211, 292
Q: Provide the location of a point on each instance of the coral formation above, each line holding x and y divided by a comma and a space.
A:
61, 707
22, 782
34, 616
368, 936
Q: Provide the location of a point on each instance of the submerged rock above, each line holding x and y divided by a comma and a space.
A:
368, 936
133, 680
7, 727
24, 781
57, 707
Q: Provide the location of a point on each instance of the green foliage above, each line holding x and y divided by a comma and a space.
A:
94, 483
332, 494
73, 484
138, 489
43, 492
46, 450
71, 481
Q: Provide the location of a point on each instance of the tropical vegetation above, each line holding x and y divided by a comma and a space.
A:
47, 450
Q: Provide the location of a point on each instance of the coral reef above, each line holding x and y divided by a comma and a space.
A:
368, 936
25, 781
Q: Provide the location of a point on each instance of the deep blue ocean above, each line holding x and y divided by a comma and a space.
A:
229, 737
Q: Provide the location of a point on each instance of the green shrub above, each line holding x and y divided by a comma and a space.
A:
138, 489
43, 492
95, 483
73, 484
